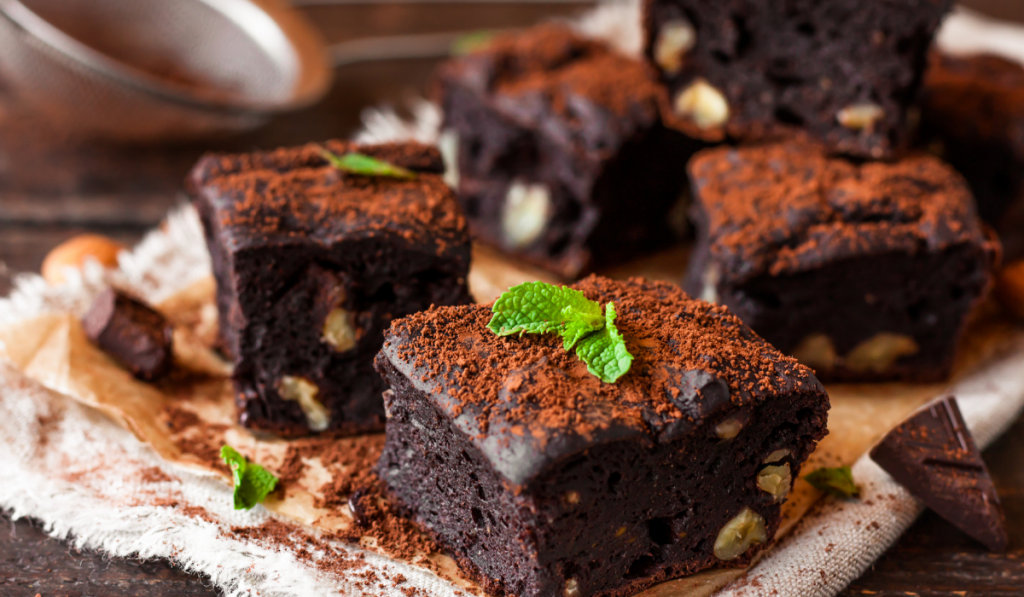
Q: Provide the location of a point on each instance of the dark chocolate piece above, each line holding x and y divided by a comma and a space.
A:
865, 272
543, 480
972, 115
843, 71
933, 455
562, 157
138, 337
313, 263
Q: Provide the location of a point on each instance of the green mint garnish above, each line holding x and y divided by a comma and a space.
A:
834, 481
540, 308
471, 42
364, 165
604, 351
252, 481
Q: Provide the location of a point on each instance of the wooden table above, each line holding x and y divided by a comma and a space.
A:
52, 189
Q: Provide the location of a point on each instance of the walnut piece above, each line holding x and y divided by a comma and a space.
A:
703, 104
303, 391
777, 455
817, 352
775, 480
746, 529
526, 213
728, 429
879, 352
860, 116
340, 330
675, 39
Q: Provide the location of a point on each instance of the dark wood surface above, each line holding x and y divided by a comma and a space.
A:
53, 188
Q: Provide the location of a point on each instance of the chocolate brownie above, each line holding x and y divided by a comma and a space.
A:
312, 264
972, 115
543, 480
561, 154
843, 71
862, 271
132, 332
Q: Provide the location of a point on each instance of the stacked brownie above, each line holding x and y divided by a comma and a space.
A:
544, 480
972, 114
562, 156
864, 271
312, 263
843, 72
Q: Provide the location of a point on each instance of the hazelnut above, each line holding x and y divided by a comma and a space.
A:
860, 116
303, 391
816, 351
572, 497
703, 104
728, 429
340, 330
676, 38
73, 253
709, 289
448, 145
526, 212
775, 480
777, 455
1010, 288
746, 529
572, 588
879, 352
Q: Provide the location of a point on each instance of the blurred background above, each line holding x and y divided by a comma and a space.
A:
105, 104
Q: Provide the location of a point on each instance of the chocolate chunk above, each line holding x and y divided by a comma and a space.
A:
131, 332
934, 457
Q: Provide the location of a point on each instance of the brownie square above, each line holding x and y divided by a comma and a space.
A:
972, 115
543, 480
312, 264
561, 154
843, 71
863, 271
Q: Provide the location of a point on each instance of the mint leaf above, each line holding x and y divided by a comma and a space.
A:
834, 481
605, 352
252, 482
539, 308
364, 165
471, 42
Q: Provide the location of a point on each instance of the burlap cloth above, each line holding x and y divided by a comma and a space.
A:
79, 466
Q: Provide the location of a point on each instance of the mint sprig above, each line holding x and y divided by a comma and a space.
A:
252, 482
540, 308
836, 481
364, 165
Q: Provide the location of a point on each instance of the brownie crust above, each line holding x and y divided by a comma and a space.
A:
543, 480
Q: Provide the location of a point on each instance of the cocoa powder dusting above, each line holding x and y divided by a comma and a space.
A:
787, 207
666, 331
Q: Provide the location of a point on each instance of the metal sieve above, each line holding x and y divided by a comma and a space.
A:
146, 70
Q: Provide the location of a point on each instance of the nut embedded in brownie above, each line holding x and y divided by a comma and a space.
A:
864, 272
972, 115
312, 263
543, 480
561, 154
844, 71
